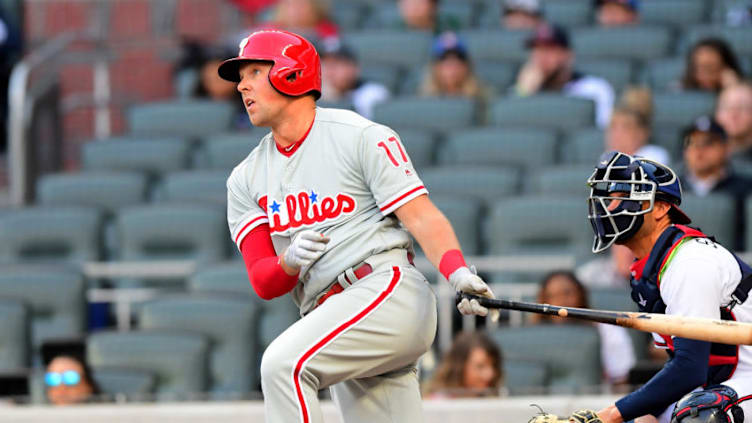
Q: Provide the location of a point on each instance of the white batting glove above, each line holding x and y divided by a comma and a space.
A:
305, 249
465, 280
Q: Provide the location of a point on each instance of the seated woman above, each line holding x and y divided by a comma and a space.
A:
471, 368
67, 376
711, 66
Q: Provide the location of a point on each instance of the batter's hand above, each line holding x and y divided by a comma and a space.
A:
305, 249
465, 280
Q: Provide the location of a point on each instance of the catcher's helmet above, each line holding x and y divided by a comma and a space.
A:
715, 404
619, 185
296, 68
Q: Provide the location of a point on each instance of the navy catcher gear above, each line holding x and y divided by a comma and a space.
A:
619, 186
716, 404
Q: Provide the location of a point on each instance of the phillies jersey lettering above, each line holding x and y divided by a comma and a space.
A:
345, 179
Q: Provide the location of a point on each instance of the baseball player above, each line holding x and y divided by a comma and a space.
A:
679, 271
315, 210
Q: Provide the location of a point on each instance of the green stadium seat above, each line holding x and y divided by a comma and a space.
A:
567, 369
583, 146
387, 15
523, 147
669, 136
387, 75
178, 359
739, 38
231, 277
207, 186
348, 15
618, 72
615, 299
714, 214
539, 224
495, 45
465, 216
420, 146
681, 108
107, 191
486, 183
153, 156
184, 118
499, 75
631, 42
134, 384
276, 316
54, 295
553, 111
678, 13
227, 150
664, 74
14, 335
562, 179
439, 114
227, 321
50, 234
525, 377
390, 47
567, 13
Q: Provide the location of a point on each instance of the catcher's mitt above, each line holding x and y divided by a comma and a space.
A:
579, 416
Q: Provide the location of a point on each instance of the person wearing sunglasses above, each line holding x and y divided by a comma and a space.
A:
67, 378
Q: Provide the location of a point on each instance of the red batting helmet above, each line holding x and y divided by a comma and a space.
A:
296, 68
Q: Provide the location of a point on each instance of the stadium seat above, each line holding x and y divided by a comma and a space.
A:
681, 108
50, 234
55, 296
664, 74
107, 191
553, 111
714, 214
563, 179
14, 335
387, 75
568, 13
539, 224
348, 15
583, 146
154, 156
729, 12
387, 15
524, 147
499, 75
207, 186
229, 323
276, 316
465, 216
420, 146
631, 42
227, 150
439, 114
669, 136
183, 118
135, 384
390, 47
486, 183
229, 277
617, 72
678, 13
495, 45
615, 299
740, 38
178, 359
524, 377
568, 369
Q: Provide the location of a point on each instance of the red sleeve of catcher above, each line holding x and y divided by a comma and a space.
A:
267, 277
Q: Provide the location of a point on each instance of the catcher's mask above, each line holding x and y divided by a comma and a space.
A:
715, 404
619, 186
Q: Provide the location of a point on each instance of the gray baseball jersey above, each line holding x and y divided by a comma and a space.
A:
344, 179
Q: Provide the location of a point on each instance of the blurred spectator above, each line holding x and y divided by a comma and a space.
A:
707, 170
612, 271
423, 15
629, 132
451, 72
737, 12
550, 68
613, 13
563, 289
67, 378
521, 14
342, 80
711, 66
309, 18
471, 368
734, 114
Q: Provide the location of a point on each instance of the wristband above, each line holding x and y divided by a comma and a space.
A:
451, 261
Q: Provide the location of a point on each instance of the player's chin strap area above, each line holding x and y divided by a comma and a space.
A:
715, 404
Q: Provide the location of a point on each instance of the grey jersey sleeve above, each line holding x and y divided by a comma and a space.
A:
387, 169
244, 211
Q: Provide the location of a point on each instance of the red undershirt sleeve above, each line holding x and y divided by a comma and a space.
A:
267, 277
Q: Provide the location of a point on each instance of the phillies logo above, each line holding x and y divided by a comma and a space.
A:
305, 209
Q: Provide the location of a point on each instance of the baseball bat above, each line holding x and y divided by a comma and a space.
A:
701, 329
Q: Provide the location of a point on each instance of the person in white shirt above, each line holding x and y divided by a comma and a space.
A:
679, 271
